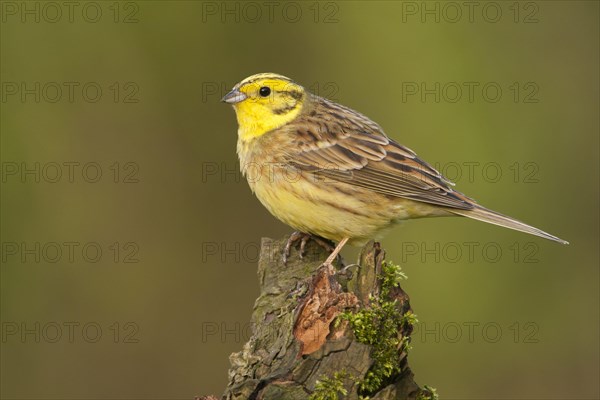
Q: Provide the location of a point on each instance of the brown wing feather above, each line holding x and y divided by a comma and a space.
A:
336, 142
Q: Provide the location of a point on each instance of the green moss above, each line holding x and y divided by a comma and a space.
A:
380, 326
330, 388
391, 276
428, 393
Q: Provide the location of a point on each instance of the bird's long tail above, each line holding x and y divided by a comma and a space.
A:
492, 217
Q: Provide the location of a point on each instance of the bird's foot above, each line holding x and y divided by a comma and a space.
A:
303, 238
345, 271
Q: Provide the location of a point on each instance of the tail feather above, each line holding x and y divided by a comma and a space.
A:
483, 214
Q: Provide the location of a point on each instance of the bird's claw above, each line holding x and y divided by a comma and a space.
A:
288, 246
303, 238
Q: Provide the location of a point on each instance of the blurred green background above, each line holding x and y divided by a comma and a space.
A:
178, 229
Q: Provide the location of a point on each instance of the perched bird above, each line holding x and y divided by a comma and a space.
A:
330, 172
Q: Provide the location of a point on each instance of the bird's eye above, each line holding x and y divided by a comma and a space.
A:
264, 91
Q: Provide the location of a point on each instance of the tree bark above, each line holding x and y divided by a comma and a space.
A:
300, 336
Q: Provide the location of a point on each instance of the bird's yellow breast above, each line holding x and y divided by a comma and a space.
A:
332, 210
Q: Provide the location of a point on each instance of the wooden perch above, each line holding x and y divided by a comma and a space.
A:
322, 335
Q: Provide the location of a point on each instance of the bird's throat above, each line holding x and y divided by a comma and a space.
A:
254, 122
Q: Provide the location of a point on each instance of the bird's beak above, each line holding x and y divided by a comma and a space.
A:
234, 97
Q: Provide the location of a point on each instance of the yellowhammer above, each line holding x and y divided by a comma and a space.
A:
327, 170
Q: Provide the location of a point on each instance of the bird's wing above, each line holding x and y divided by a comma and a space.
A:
337, 143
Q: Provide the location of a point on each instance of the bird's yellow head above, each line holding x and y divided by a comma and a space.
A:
264, 102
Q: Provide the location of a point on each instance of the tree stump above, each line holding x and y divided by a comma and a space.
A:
321, 334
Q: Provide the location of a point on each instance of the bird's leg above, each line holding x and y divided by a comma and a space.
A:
294, 237
303, 238
324, 243
303, 241
334, 254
